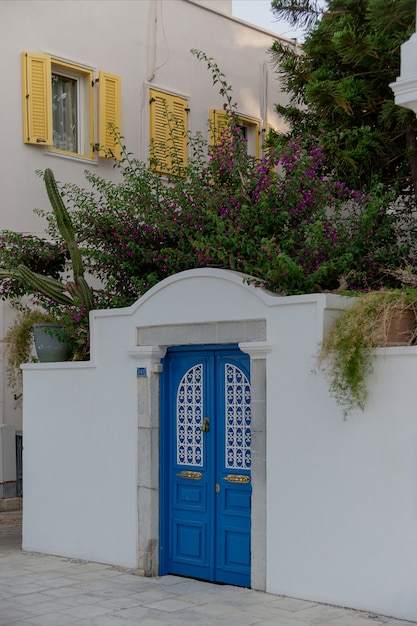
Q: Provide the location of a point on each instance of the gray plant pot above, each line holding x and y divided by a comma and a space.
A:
50, 343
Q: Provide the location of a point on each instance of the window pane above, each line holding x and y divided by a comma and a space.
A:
65, 113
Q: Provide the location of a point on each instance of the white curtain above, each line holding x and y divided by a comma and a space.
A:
64, 110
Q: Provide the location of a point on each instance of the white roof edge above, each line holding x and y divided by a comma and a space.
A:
243, 22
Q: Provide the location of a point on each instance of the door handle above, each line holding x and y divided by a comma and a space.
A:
190, 475
205, 426
237, 478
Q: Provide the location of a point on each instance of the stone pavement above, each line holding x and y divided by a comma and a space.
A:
42, 590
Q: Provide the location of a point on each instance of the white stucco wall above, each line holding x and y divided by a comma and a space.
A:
341, 503
80, 465
341, 495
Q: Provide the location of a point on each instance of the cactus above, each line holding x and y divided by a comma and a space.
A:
78, 291
53, 289
64, 224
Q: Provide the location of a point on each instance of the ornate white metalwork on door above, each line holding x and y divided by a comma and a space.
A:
190, 418
238, 418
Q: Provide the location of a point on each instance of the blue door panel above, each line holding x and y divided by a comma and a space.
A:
190, 496
236, 501
190, 556
236, 548
233, 557
190, 542
205, 464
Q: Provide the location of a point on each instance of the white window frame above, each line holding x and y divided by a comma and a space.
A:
85, 106
251, 127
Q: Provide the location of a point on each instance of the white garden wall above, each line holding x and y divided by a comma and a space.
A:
334, 505
342, 495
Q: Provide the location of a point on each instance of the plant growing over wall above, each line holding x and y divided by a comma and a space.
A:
348, 350
281, 220
18, 345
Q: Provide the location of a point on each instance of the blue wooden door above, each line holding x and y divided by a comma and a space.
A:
205, 464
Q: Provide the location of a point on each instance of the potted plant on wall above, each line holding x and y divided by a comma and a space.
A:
346, 356
18, 345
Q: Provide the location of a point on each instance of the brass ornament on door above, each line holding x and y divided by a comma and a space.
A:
205, 426
237, 478
190, 475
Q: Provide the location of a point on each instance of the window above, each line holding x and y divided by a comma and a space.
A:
168, 132
58, 106
250, 130
65, 105
72, 113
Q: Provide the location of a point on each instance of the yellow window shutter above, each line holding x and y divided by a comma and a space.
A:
109, 112
168, 131
37, 99
218, 124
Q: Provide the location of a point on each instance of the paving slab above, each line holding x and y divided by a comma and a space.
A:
44, 590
